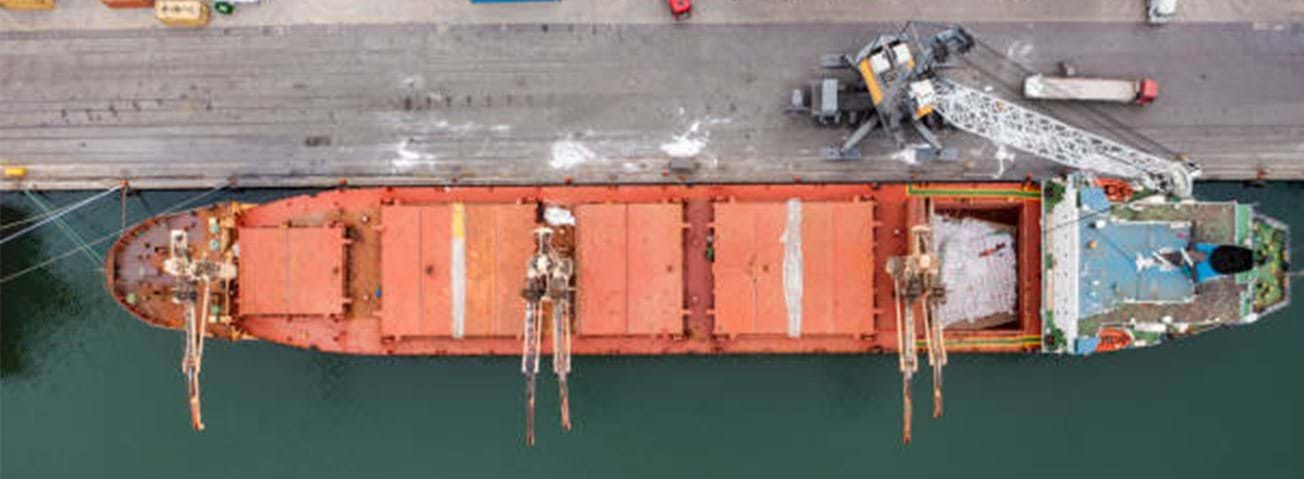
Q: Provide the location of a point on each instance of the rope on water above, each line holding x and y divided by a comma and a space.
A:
96, 259
58, 214
30, 219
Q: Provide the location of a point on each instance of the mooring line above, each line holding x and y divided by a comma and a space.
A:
109, 236
58, 215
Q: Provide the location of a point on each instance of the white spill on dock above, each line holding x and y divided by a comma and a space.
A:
694, 140
567, 154
1003, 157
908, 155
409, 158
687, 145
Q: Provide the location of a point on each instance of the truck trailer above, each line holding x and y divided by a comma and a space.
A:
1140, 92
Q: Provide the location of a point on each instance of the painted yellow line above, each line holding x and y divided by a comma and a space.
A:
459, 220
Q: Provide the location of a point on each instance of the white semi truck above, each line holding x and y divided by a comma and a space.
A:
1140, 92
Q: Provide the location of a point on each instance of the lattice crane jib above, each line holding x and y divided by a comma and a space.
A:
1007, 123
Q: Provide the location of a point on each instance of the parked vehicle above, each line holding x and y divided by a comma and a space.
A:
1140, 92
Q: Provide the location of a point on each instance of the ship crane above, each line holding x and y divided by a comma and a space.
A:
917, 288
191, 274
547, 287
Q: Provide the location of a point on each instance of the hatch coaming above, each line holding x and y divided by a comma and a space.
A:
291, 271
423, 294
630, 278
794, 268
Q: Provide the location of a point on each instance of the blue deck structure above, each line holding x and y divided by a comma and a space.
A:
1120, 260
1111, 281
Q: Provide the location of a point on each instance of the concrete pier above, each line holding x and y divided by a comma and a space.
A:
311, 103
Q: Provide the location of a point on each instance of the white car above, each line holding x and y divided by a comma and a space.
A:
1161, 11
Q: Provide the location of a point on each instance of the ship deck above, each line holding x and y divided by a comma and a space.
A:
1222, 300
1110, 286
659, 269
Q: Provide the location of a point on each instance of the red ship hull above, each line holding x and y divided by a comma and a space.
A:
659, 269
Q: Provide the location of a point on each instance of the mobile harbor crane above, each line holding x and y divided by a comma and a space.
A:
895, 82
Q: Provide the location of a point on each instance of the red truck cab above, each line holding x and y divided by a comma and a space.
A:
1147, 92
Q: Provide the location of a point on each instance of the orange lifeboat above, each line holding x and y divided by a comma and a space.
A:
1113, 339
1116, 190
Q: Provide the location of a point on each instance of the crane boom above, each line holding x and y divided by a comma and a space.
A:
548, 278
917, 287
1007, 123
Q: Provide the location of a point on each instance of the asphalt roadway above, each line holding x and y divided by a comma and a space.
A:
311, 104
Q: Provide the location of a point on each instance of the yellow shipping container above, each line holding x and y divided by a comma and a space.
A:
27, 4
181, 13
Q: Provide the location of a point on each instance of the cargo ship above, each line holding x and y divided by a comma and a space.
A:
1071, 265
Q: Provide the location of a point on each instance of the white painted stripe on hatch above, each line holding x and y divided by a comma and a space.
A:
792, 267
457, 270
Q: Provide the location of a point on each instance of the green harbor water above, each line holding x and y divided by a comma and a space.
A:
88, 392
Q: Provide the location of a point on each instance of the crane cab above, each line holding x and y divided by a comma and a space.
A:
923, 97
882, 65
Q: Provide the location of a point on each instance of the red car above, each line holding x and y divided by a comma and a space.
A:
681, 9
